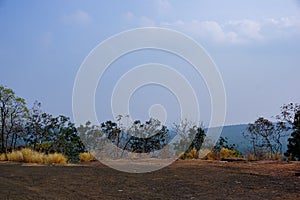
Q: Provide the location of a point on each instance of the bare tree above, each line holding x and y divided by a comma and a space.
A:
265, 137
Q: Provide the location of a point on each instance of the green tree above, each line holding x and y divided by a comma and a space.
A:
191, 137
52, 134
64, 138
294, 141
91, 136
13, 114
139, 137
37, 128
223, 143
148, 137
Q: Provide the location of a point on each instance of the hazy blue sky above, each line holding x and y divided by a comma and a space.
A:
255, 44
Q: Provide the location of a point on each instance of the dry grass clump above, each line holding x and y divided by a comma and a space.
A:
87, 157
250, 157
264, 156
56, 158
3, 157
224, 153
193, 154
29, 156
16, 156
202, 154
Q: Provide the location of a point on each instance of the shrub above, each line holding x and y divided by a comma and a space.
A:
87, 157
3, 157
223, 153
30, 156
260, 155
193, 154
250, 157
212, 155
277, 156
202, 154
15, 156
56, 158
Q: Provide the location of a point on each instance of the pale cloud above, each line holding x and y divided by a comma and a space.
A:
211, 30
163, 6
284, 22
142, 21
79, 17
246, 29
243, 31
238, 31
284, 27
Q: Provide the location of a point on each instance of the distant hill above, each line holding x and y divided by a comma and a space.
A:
234, 135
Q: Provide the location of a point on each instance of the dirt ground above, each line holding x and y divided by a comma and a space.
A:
192, 179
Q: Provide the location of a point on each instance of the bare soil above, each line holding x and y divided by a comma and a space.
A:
190, 179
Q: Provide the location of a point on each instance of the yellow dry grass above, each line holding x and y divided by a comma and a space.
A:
29, 156
56, 158
193, 154
224, 153
87, 157
3, 157
16, 156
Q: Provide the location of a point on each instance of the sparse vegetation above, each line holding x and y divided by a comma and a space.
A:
222, 154
56, 158
27, 155
56, 139
193, 154
16, 156
87, 157
223, 150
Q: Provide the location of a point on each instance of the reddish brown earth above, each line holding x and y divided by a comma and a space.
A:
193, 179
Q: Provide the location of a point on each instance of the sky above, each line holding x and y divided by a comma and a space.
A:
255, 45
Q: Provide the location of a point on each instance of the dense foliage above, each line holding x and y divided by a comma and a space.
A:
21, 127
294, 142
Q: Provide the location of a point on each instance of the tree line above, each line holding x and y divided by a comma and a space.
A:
23, 127
266, 137
31, 127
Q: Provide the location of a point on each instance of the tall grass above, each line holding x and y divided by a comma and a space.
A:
193, 154
15, 156
223, 153
29, 156
3, 157
87, 157
55, 158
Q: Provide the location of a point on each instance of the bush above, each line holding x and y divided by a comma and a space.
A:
223, 153
3, 157
56, 158
202, 154
16, 156
263, 156
193, 154
87, 157
250, 157
29, 156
